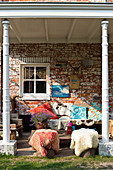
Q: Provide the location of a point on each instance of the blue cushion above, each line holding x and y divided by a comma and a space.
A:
78, 112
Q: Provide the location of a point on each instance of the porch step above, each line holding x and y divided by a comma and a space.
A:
23, 144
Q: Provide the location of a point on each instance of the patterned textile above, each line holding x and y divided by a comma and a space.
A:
78, 112
94, 114
97, 105
62, 109
45, 138
45, 108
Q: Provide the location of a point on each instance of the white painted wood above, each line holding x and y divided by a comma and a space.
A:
33, 30
6, 109
71, 29
46, 29
57, 14
46, 10
92, 30
15, 30
35, 96
55, 40
105, 84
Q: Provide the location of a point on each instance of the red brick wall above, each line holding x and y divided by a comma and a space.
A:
90, 76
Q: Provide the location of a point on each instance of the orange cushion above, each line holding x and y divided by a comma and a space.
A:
45, 108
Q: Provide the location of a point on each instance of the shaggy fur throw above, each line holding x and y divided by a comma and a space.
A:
45, 138
83, 139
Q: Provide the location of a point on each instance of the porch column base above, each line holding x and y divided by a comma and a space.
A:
9, 148
106, 149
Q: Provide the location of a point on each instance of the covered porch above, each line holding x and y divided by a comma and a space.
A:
57, 29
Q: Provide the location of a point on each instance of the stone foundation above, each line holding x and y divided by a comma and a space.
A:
9, 148
106, 149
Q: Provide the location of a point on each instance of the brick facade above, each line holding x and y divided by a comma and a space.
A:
90, 75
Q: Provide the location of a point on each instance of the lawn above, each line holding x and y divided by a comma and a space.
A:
70, 163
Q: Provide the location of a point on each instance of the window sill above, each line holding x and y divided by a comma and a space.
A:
35, 97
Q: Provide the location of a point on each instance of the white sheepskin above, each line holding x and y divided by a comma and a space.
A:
83, 139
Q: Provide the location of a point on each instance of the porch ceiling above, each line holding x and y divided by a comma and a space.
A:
57, 30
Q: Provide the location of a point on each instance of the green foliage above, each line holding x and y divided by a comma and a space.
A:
6, 156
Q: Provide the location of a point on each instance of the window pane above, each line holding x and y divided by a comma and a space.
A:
29, 73
40, 72
29, 87
40, 87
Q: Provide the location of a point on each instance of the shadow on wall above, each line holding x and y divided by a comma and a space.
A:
94, 111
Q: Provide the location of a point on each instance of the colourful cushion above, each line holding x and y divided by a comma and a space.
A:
94, 114
78, 112
97, 105
45, 108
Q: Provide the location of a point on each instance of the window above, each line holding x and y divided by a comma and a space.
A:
34, 81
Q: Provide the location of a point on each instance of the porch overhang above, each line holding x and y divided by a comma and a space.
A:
56, 10
88, 18
35, 22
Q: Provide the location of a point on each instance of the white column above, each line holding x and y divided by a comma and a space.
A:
6, 110
105, 95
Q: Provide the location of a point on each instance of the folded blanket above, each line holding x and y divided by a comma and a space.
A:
45, 138
83, 139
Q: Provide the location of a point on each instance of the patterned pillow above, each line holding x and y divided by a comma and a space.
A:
78, 112
45, 108
94, 114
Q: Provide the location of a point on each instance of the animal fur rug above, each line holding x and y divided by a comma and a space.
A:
45, 138
83, 139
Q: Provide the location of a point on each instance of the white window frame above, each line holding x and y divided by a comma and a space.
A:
34, 96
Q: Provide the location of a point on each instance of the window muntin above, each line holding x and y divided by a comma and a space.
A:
35, 81
40, 72
40, 87
28, 72
28, 87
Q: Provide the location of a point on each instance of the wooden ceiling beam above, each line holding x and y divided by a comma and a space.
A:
71, 29
46, 29
15, 29
93, 30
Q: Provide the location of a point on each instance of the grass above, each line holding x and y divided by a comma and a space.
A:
69, 163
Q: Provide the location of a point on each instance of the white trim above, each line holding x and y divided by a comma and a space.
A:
55, 10
105, 83
71, 29
91, 33
6, 109
46, 29
35, 97
31, 96
15, 30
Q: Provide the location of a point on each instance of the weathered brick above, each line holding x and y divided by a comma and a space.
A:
90, 76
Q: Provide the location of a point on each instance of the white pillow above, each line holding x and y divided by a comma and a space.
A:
62, 109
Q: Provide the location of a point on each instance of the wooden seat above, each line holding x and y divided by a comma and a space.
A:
13, 129
16, 126
19, 123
